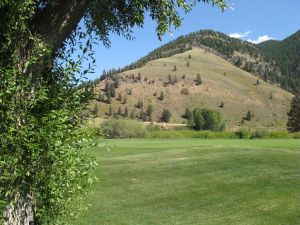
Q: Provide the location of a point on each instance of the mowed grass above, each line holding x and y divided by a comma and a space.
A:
195, 181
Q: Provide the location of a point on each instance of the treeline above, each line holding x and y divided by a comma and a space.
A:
133, 129
286, 56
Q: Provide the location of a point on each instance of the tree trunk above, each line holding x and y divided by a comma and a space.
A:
20, 212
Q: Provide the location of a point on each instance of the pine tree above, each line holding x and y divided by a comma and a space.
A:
140, 104
187, 113
110, 111
120, 97
149, 110
248, 116
293, 124
165, 117
198, 79
161, 96
132, 115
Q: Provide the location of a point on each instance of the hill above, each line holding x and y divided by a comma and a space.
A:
175, 76
276, 62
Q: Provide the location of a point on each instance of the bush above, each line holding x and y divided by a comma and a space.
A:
259, 133
192, 134
243, 133
152, 128
296, 135
205, 119
185, 91
123, 129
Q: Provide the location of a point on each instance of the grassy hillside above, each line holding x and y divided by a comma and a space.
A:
221, 82
194, 181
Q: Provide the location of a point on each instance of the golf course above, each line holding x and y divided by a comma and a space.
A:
195, 181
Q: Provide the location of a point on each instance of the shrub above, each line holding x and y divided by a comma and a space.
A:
152, 128
205, 119
260, 133
248, 116
243, 133
296, 135
161, 96
198, 79
140, 104
185, 91
123, 129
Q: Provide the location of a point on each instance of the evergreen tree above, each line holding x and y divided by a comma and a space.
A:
149, 110
140, 104
132, 115
248, 116
108, 98
293, 124
143, 115
161, 96
198, 79
165, 117
110, 111
119, 97
187, 114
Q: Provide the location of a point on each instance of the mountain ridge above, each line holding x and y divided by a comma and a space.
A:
263, 60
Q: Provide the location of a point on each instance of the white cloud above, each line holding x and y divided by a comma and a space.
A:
261, 39
240, 35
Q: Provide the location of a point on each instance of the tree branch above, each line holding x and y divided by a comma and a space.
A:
55, 23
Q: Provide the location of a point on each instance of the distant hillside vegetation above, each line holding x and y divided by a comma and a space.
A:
196, 78
276, 62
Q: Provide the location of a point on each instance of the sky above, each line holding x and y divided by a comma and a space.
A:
251, 20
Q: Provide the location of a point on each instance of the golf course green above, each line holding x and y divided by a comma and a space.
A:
195, 181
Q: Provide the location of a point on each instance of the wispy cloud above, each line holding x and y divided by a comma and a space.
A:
240, 35
231, 6
261, 39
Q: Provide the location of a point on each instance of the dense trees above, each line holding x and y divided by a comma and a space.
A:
293, 124
204, 119
41, 164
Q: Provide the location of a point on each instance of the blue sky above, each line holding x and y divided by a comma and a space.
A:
253, 20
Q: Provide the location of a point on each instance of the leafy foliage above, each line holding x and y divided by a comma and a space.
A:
41, 104
205, 119
123, 129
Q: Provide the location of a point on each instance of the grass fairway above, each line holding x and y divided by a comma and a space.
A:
194, 181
